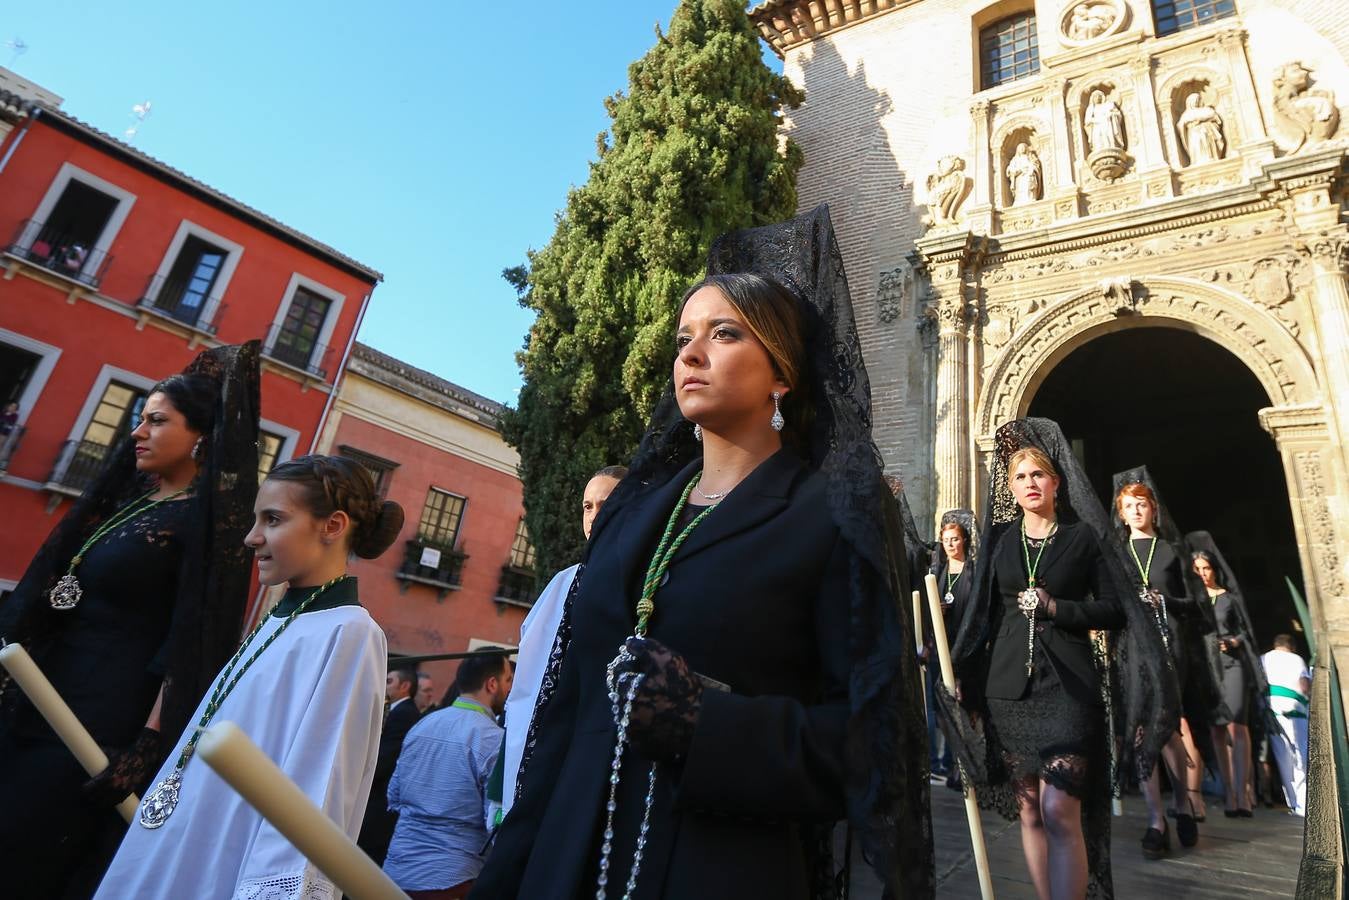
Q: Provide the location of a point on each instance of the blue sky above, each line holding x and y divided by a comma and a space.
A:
433, 140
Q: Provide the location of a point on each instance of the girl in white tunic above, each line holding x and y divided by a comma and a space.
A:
307, 686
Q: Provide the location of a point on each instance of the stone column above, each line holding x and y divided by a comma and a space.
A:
1330, 308
951, 261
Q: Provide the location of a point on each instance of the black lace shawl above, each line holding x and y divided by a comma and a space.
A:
887, 734
1204, 669
213, 583
1263, 720
1144, 702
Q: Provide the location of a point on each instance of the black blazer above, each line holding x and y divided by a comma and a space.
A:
757, 599
1073, 571
378, 823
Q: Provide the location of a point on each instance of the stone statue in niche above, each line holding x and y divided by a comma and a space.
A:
1104, 123
1201, 131
945, 191
1302, 113
1089, 21
1025, 175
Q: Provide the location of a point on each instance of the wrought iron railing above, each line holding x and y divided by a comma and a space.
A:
9, 444
77, 464
292, 349
517, 585
170, 297
437, 566
57, 250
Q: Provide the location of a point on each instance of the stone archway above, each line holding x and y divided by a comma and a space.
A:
1297, 418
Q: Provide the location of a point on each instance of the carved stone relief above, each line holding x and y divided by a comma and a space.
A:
892, 293
1319, 523
1302, 114
1091, 20
1271, 281
946, 190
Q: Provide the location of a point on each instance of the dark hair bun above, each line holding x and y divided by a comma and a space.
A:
374, 537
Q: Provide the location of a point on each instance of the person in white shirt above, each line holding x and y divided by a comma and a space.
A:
537, 635
1289, 690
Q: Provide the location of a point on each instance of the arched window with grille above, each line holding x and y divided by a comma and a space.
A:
1009, 49
1177, 15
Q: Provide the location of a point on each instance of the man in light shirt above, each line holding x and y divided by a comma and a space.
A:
1289, 691
537, 635
439, 788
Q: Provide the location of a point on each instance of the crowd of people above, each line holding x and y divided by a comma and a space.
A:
720, 699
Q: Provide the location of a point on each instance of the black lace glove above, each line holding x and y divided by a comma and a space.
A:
666, 706
1046, 609
129, 770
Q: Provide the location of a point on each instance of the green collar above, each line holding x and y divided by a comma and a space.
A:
473, 706
341, 594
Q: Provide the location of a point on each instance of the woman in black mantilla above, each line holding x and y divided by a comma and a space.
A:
1244, 689
1039, 746
953, 567
129, 608
771, 688
1153, 551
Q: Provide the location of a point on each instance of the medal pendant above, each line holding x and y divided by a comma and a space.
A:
67, 593
161, 802
949, 598
1027, 601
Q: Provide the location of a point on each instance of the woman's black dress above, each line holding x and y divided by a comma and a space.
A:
106, 659
1167, 577
1236, 680
958, 586
1047, 723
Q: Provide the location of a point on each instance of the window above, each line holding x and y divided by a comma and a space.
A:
1009, 49
380, 469
17, 367
193, 276
65, 240
269, 448
114, 417
1178, 15
440, 518
298, 335
522, 551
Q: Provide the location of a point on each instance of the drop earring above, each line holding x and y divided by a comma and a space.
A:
698, 433
777, 421
196, 449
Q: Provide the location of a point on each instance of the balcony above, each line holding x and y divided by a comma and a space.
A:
518, 586
9, 444
292, 350
57, 251
432, 565
76, 465
171, 298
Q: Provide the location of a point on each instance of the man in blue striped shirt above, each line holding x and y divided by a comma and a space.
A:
439, 788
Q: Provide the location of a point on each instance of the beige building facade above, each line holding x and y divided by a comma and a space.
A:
1022, 187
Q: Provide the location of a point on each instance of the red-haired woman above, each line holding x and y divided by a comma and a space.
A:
1156, 559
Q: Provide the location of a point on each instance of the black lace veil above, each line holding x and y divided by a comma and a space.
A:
887, 735
216, 569
968, 523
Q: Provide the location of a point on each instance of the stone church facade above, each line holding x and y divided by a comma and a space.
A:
1013, 180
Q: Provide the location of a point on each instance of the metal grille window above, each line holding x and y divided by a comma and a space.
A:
300, 330
1178, 15
1009, 49
191, 280
522, 550
116, 415
440, 518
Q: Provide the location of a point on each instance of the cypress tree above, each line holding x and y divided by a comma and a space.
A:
693, 150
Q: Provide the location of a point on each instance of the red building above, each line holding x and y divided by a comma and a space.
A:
461, 574
115, 270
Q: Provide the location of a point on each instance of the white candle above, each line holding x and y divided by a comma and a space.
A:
948, 677
59, 716
249, 771
918, 622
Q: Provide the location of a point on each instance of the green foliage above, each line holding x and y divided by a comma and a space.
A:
693, 151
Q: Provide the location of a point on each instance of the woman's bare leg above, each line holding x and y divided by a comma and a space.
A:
1061, 814
1241, 759
1151, 788
1223, 747
1194, 772
1033, 842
